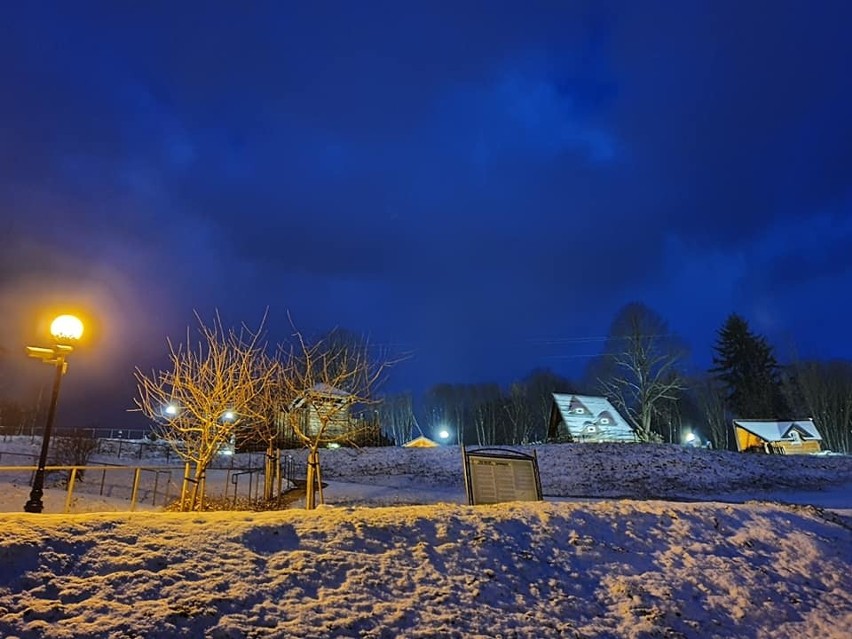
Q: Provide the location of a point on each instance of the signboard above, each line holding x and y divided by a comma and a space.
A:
495, 475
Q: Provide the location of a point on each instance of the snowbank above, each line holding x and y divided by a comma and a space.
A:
625, 569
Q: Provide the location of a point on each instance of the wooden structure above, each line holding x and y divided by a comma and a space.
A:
421, 442
795, 437
321, 403
584, 418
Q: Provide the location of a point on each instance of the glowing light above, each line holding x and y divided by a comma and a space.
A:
171, 410
66, 327
690, 437
444, 434
229, 416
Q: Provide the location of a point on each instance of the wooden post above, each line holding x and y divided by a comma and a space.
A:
70, 494
156, 482
136, 474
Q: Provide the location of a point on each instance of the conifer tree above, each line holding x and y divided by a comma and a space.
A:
746, 367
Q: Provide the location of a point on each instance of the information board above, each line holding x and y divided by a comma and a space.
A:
496, 475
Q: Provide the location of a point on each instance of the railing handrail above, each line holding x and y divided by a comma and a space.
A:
86, 467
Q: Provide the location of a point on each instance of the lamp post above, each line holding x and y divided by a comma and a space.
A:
64, 329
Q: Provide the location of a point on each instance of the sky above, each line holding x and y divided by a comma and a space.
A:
481, 185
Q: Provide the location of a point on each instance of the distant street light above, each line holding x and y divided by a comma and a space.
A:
64, 329
444, 434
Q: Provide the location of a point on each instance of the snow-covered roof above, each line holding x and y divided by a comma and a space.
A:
321, 390
328, 389
773, 431
591, 418
420, 442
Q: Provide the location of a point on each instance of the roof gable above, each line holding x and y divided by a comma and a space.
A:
774, 431
421, 442
598, 412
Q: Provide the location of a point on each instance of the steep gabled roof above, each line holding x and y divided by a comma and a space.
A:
421, 442
773, 431
324, 392
595, 407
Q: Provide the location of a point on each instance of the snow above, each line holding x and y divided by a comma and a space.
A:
584, 563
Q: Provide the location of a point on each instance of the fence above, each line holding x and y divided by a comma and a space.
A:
136, 486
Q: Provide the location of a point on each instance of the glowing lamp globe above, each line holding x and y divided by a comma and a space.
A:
444, 434
66, 327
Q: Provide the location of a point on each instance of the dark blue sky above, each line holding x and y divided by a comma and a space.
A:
482, 184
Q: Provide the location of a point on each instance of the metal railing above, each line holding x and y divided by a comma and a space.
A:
139, 491
157, 485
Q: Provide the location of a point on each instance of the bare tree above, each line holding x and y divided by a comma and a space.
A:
825, 392
713, 404
396, 415
325, 379
516, 415
264, 430
212, 388
486, 400
73, 448
538, 388
639, 368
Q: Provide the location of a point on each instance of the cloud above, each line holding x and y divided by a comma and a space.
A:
458, 176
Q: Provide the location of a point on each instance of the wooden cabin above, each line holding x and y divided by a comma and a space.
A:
322, 403
795, 437
585, 418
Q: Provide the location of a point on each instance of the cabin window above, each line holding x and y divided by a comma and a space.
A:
604, 420
579, 411
797, 439
591, 428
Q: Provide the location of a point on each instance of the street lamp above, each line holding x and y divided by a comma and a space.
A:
64, 329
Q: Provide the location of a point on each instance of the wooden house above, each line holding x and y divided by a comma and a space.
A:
585, 418
322, 403
795, 437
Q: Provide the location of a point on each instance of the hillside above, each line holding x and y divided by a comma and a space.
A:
606, 569
566, 567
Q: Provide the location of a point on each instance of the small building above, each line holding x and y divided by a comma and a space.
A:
420, 442
795, 437
322, 404
585, 418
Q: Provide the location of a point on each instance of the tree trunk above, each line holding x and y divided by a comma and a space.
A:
184, 487
197, 488
312, 477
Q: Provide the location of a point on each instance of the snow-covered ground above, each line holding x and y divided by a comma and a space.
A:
612, 552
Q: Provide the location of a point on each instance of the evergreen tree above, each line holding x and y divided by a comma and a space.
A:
745, 366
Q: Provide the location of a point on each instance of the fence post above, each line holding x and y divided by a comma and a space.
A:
103, 479
168, 488
70, 489
136, 473
156, 481
183, 486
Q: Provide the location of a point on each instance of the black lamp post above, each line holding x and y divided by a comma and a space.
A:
64, 328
